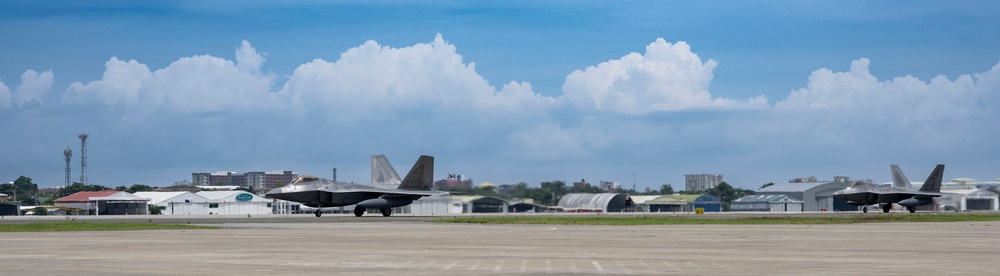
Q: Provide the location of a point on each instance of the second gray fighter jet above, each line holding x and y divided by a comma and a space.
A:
319, 193
901, 192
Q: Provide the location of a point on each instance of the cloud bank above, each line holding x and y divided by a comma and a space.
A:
668, 77
29, 93
422, 98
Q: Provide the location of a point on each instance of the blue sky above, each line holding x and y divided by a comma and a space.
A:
502, 92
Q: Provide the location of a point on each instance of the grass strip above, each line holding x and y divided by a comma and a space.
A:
94, 226
658, 220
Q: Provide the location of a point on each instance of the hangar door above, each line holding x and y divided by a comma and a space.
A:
979, 204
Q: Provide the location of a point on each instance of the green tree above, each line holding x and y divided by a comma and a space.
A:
666, 189
80, 187
154, 210
586, 189
41, 211
138, 188
727, 193
485, 191
22, 189
769, 184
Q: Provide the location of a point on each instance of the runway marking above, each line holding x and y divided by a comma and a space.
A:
524, 266
404, 265
624, 267
427, 265
672, 266
475, 265
499, 265
597, 266
451, 265
648, 268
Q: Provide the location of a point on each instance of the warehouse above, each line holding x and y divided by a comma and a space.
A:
177, 203
660, 203
967, 198
707, 203
602, 203
766, 203
454, 205
815, 196
104, 203
236, 203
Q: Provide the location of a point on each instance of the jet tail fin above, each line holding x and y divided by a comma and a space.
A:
383, 174
933, 182
421, 176
898, 178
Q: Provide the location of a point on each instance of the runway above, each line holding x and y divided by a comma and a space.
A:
340, 246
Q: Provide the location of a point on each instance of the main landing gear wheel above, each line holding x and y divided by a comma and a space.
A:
886, 207
319, 212
358, 211
912, 209
864, 209
386, 212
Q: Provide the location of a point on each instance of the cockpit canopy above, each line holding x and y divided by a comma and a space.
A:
856, 183
304, 178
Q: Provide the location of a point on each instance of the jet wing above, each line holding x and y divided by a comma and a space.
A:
384, 192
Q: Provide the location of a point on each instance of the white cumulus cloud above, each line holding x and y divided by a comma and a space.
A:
371, 79
189, 85
858, 94
33, 86
669, 77
4, 96
120, 84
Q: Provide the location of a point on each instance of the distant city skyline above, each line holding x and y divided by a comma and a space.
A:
639, 93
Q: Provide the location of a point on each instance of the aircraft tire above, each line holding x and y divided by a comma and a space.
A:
886, 207
912, 209
359, 211
319, 213
864, 209
386, 212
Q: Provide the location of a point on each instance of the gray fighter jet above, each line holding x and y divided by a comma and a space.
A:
319, 193
901, 192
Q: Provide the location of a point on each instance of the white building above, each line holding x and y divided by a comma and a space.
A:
454, 205
766, 203
701, 182
177, 203
236, 203
967, 197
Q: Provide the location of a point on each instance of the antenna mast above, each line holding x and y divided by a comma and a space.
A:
83, 157
68, 153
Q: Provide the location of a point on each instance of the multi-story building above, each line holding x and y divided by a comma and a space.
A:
701, 182
609, 186
270, 179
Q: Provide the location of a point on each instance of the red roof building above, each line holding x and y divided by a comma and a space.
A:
84, 196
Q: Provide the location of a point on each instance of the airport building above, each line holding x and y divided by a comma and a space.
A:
177, 203
236, 203
967, 198
109, 202
599, 203
661, 203
815, 196
766, 203
454, 205
270, 179
701, 182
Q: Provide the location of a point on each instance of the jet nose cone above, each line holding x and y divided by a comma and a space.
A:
274, 193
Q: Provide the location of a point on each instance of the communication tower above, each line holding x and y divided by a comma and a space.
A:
83, 157
68, 153
334, 174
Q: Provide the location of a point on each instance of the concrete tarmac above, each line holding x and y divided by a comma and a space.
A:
424, 248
